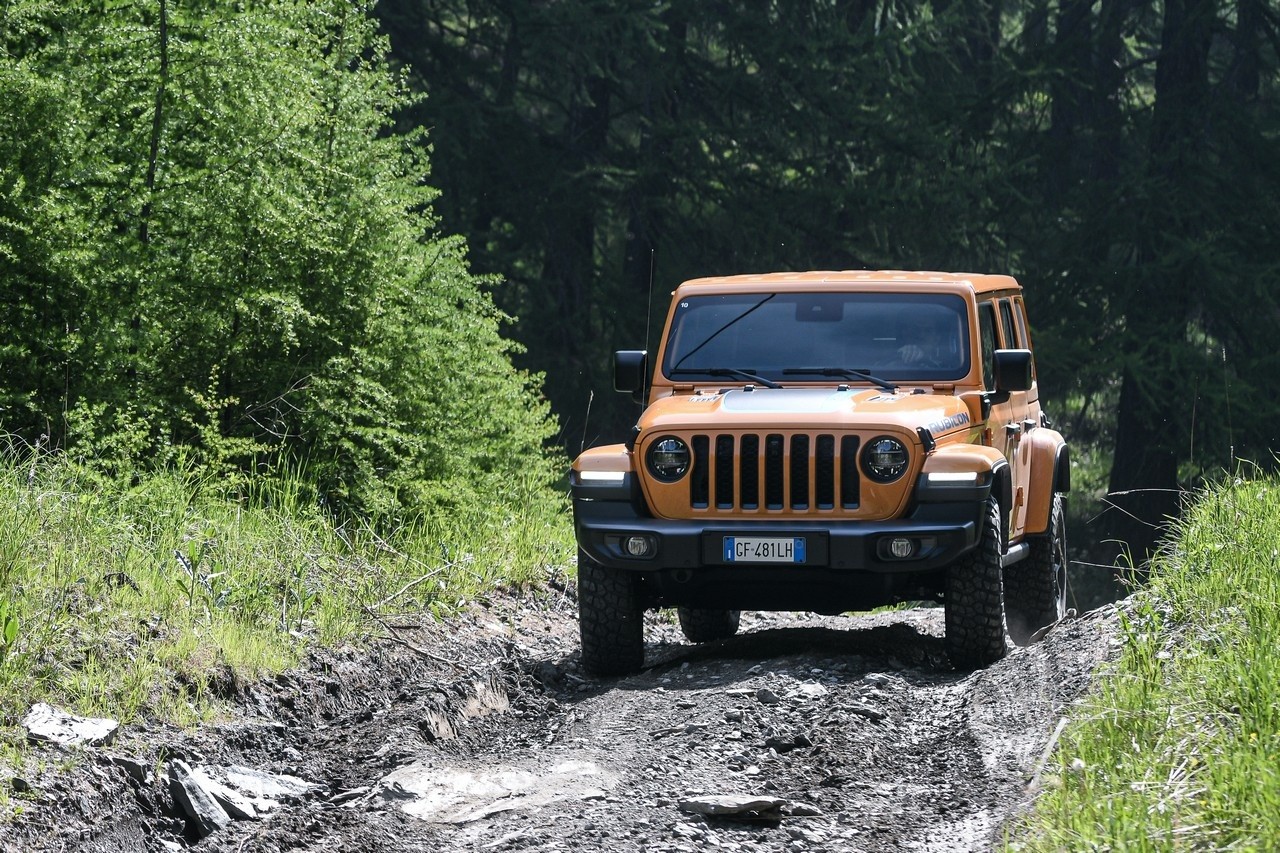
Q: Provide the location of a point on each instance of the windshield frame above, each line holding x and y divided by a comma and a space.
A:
876, 316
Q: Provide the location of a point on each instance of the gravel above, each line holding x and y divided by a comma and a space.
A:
802, 733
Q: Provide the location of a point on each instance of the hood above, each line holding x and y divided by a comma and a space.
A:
806, 408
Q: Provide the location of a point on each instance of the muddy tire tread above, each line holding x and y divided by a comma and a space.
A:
1034, 589
610, 619
974, 608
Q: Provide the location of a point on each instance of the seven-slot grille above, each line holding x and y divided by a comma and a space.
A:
774, 471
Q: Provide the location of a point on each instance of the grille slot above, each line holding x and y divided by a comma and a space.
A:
699, 476
749, 465
849, 494
773, 453
724, 472
800, 472
824, 472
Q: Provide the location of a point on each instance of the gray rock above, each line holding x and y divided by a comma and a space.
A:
722, 805
46, 724
136, 770
199, 804
807, 835
780, 745
261, 789
811, 690
238, 806
804, 810
873, 714
350, 795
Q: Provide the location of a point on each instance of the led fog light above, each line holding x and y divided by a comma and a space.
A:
901, 548
638, 546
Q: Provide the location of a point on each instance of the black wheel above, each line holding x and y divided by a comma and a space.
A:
975, 600
610, 619
1035, 590
701, 625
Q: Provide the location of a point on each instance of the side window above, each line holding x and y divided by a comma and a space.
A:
1024, 336
1006, 322
987, 329
1020, 318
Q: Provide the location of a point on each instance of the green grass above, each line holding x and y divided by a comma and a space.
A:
128, 600
1180, 748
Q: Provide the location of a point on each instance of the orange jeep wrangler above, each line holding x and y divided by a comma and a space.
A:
827, 441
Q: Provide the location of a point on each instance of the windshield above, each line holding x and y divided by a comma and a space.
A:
799, 337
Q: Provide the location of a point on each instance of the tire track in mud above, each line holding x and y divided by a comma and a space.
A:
855, 723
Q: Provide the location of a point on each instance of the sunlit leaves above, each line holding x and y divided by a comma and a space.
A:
227, 200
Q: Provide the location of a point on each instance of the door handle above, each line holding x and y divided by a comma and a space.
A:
1013, 429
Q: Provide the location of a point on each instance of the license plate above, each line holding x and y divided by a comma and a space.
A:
763, 549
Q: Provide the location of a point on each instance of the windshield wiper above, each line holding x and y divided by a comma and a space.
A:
726, 371
711, 337
846, 372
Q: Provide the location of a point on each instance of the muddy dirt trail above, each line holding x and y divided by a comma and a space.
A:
802, 733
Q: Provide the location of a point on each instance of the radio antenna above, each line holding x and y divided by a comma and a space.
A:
648, 326
648, 319
591, 395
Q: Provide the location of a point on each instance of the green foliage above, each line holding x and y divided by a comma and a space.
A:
138, 598
8, 629
216, 254
1179, 749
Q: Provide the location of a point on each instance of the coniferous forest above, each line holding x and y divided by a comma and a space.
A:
241, 237
1122, 158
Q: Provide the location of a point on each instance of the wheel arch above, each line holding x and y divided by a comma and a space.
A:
1002, 491
983, 459
1050, 475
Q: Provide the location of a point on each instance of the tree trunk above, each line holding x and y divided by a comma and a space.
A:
1153, 421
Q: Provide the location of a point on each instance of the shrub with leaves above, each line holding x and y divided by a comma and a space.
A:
215, 250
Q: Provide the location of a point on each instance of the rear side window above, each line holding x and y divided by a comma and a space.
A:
1020, 318
1024, 336
987, 329
1006, 318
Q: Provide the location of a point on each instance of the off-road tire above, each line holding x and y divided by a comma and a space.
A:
974, 610
1035, 590
610, 619
702, 625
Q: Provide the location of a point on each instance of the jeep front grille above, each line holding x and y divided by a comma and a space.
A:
801, 472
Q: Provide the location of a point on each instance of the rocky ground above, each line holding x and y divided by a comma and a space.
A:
802, 733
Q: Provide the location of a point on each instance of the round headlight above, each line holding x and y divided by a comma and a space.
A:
884, 459
668, 458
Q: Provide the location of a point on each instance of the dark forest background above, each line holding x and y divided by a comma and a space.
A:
1121, 157
392, 245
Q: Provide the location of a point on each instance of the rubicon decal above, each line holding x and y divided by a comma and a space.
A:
946, 424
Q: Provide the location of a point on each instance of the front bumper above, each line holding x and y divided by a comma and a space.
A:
946, 523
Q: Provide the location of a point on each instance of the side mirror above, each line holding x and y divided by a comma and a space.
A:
630, 370
1013, 370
